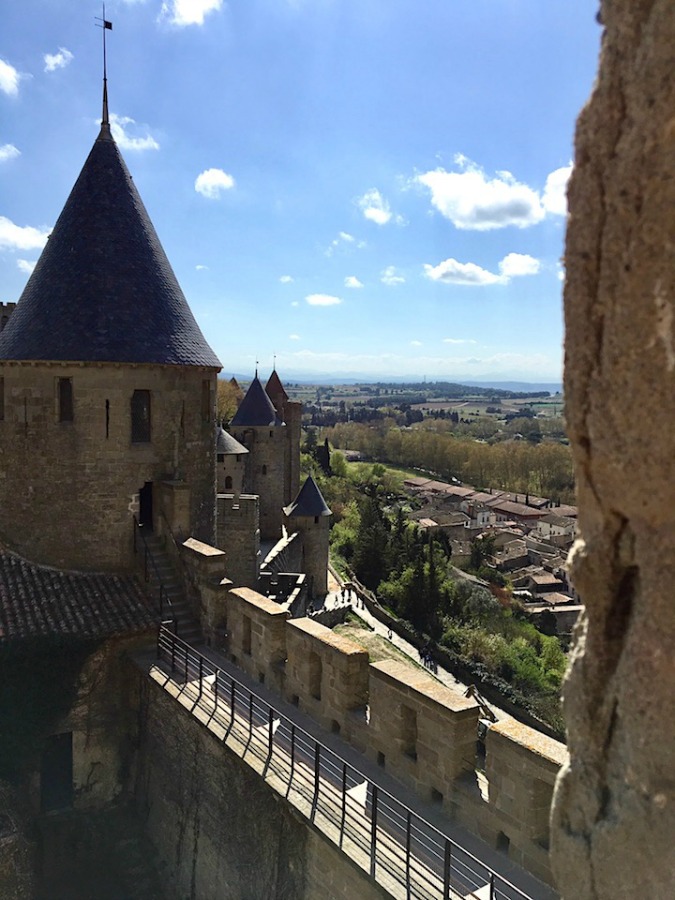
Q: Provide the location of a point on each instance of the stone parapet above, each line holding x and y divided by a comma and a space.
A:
257, 635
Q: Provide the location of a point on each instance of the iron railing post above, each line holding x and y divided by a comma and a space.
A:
344, 798
270, 733
408, 829
447, 862
231, 701
317, 765
201, 674
373, 832
492, 886
292, 751
250, 716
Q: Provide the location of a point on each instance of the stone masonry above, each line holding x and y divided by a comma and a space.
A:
614, 807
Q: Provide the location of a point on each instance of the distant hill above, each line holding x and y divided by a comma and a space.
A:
553, 387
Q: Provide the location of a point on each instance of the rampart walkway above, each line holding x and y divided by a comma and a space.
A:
403, 851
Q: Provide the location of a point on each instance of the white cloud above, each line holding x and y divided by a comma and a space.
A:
344, 239
295, 303
450, 271
21, 237
189, 12
201, 268
390, 277
286, 279
8, 151
515, 264
212, 183
58, 60
415, 343
474, 202
351, 281
9, 79
555, 191
459, 341
322, 300
119, 125
294, 337
561, 272
26, 265
374, 207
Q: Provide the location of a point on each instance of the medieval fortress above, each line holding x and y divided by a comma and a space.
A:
126, 508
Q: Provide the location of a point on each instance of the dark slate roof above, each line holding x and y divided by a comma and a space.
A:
227, 444
309, 501
255, 409
103, 289
275, 389
39, 601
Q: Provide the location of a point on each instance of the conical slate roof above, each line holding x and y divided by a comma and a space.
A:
227, 444
275, 389
309, 501
103, 289
255, 409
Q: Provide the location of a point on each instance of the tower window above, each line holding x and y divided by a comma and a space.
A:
264, 470
140, 417
228, 482
220, 457
65, 396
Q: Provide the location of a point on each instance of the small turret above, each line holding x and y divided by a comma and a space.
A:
309, 515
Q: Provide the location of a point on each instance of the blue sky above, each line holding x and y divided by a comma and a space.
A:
361, 187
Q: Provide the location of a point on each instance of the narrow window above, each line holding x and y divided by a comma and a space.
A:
2, 398
107, 418
206, 401
140, 417
315, 673
264, 470
220, 457
228, 482
246, 638
65, 388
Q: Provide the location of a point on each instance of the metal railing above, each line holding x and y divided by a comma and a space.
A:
394, 844
141, 546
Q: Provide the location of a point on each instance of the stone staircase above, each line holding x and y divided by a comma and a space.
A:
164, 571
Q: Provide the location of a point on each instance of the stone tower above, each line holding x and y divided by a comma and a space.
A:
257, 426
291, 414
230, 463
108, 385
309, 515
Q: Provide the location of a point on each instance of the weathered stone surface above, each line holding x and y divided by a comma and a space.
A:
614, 808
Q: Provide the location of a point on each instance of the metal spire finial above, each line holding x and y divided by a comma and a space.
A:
105, 120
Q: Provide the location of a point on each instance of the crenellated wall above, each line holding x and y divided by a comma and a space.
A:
417, 729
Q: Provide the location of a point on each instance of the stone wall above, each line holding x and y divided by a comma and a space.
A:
88, 472
238, 534
614, 814
420, 730
220, 831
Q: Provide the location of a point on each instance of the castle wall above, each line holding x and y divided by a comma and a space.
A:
88, 472
257, 635
293, 420
420, 730
220, 831
238, 534
326, 674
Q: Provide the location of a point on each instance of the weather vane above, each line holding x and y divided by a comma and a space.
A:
106, 26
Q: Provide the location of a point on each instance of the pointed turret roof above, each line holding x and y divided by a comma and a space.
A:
227, 444
103, 289
309, 501
255, 409
275, 389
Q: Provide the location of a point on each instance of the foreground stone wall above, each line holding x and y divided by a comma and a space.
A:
220, 831
614, 813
